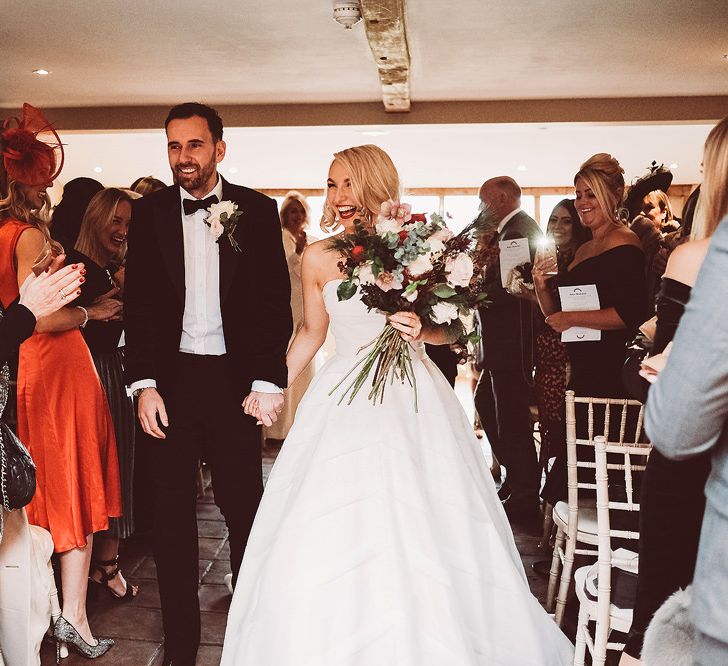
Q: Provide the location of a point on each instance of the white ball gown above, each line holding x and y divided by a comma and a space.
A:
380, 540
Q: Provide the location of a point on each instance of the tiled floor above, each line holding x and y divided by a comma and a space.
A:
136, 626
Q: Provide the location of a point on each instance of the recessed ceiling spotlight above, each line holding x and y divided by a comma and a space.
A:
521, 167
98, 169
41, 72
674, 165
232, 170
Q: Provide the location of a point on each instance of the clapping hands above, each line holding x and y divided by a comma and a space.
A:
265, 407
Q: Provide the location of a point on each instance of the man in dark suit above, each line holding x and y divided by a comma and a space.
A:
207, 321
502, 394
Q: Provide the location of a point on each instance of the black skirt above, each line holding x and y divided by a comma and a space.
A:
110, 367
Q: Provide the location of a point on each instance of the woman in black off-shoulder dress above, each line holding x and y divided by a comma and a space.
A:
613, 261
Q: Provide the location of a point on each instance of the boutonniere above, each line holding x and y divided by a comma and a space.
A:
223, 219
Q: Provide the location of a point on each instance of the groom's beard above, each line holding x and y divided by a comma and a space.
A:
196, 179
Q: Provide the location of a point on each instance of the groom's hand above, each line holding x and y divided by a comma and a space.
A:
263, 406
149, 404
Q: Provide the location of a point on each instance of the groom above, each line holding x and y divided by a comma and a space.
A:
207, 323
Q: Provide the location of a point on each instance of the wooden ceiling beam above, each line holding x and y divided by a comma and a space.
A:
385, 28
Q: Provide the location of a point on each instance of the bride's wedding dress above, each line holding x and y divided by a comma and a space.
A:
380, 540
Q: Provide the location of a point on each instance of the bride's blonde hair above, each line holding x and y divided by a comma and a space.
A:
374, 179
604, 176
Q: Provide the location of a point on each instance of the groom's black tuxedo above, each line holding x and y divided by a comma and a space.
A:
203, 392
254, 289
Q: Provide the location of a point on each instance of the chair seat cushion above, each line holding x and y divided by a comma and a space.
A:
587, 519
586, 583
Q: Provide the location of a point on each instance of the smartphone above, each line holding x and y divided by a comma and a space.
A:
547, 249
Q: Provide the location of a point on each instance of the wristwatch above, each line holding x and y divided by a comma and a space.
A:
137, 392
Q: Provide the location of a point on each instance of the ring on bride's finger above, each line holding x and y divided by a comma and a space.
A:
63, 293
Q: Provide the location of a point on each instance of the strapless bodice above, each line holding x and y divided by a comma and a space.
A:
352, 325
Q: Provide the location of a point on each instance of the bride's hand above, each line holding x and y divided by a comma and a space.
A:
408, 324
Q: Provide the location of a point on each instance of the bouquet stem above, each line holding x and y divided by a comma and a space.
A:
390, 359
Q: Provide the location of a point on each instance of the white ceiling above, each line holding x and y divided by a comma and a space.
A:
426, 155
136, 52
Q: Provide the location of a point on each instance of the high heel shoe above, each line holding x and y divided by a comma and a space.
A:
107, 576
66, 634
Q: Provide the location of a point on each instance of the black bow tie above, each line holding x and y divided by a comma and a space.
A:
193, 205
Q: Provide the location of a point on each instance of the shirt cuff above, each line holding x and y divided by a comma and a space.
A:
265, 387
141, 384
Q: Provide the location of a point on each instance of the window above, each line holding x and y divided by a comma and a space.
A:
463, 209
422, 203
547, 204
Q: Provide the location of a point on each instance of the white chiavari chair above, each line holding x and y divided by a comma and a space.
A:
576, 519
619, 467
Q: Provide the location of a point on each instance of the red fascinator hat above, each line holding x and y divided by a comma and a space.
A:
32, 151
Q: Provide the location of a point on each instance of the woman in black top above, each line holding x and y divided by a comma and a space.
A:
613, 261
673, 492
101, 245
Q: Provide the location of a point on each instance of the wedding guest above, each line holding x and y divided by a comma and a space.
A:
294, 219
77, 471
25, 549
686, 417
613, 261
147, 185
67, 215
552, 359
101, 246
673, 490
501, 397
652, 219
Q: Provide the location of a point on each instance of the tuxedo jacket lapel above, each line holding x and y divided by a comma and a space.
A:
168, 226
229, 257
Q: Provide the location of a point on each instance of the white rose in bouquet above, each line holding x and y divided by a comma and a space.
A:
388, 281
386, 226
420, 265
437, 247
444, 234
411, 297
444, 313
459, 270
366, 275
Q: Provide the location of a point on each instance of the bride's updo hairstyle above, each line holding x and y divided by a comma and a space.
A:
374, 179
605, 177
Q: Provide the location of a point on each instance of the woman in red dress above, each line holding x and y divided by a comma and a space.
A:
63, 416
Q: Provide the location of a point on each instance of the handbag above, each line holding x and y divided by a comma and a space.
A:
17, 470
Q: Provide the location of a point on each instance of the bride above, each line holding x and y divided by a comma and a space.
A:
380, 540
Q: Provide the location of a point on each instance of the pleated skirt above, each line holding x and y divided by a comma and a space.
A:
110, 367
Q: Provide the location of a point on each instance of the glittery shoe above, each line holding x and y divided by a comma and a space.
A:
65, 634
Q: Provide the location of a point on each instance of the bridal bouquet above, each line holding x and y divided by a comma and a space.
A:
408, 262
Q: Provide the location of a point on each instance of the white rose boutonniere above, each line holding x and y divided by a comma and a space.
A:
223, 219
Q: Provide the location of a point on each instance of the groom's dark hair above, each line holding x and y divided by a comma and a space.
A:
189, 109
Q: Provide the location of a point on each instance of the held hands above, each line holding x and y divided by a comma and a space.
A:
408, 324
55, 287
265, 407
149, 404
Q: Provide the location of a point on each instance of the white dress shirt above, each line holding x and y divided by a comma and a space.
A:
507, 218
202, 331
202, 320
